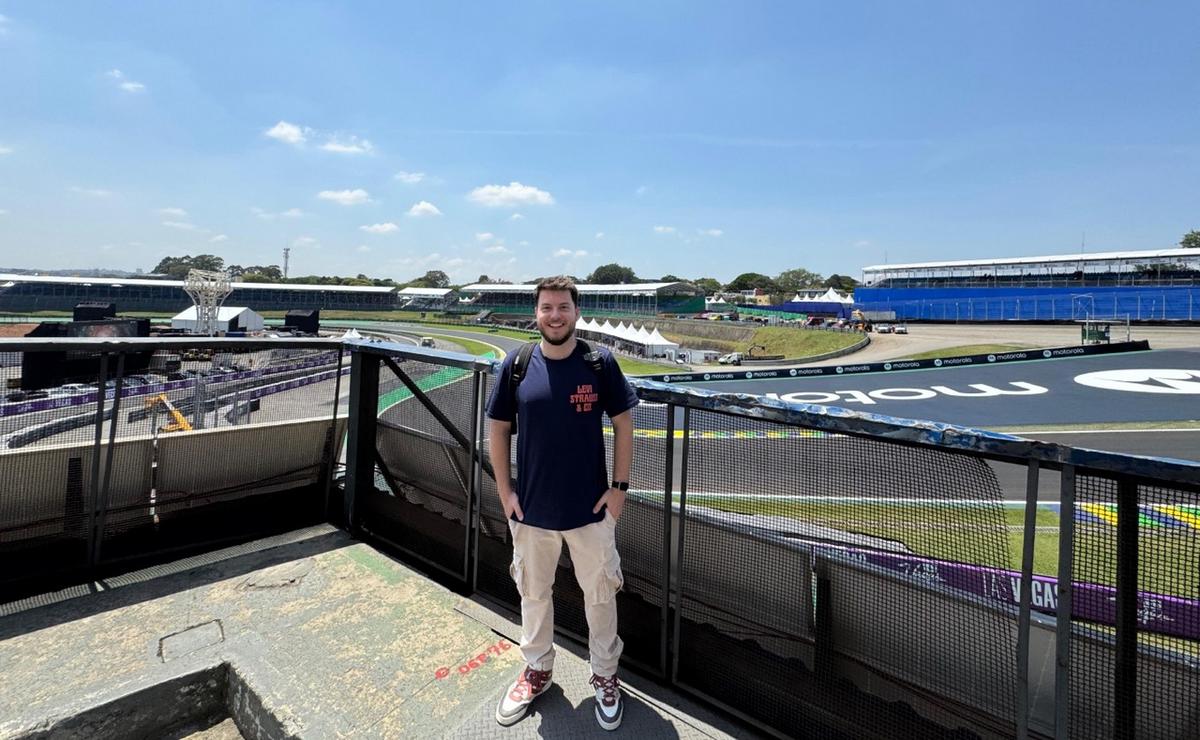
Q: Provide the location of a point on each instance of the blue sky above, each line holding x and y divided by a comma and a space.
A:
528, 138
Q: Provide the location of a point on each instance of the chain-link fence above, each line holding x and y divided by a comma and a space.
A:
122, 451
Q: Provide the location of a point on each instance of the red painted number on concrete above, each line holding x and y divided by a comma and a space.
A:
476, 662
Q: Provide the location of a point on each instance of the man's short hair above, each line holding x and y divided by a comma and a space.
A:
558, 282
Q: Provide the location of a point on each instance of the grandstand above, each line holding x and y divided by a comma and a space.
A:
1152, 285
51, 293
425, 299
638, 299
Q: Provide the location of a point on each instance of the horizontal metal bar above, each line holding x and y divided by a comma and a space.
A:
144, 344
424, 354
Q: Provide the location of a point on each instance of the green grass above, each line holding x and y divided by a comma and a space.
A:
966, 349
795, 343
788, 342
472, 347
638, 367
978, 534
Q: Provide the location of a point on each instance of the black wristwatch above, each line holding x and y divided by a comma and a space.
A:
620, 485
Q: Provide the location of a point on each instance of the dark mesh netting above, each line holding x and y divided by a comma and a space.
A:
427, 469
126, 456
1168, 584
896, 535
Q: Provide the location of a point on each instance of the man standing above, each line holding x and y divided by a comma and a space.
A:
563, 492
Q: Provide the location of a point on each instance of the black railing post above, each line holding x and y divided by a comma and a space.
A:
668, 497
360, 445
331, 451
94, 493
1125, 685
477, 472
823, 664
1025, 599
473, 456
1063, 628
115, 419
679, 543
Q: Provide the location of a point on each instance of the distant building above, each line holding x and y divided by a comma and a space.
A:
425, 299
1152, 285
641, 299
53, 293
229, 318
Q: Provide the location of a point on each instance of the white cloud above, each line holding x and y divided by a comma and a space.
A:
569, 253
484, 236
93, 192
3, 25
410, 178
454, 262
184, 225
641, 190
289, 133
664, 229
516, 217
386, 228
710, 232
5, 150
348, 145
862, 243
496, 249
345, 197
424, 208
125, 84
512, 194
3, 212
362, 248
599, 234
219, 238
268, 216
174, 212
306, 241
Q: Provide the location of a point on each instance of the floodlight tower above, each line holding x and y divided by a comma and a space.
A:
208, 290
286, 251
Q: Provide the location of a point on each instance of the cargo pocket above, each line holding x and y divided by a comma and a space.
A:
610, 581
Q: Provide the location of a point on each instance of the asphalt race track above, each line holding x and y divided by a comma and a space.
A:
1013, 394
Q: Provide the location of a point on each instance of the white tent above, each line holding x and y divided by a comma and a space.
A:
352, 333
229, 318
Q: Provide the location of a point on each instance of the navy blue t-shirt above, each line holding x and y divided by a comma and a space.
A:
561, 465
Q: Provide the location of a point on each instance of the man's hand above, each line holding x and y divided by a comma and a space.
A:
511, 504
614, 498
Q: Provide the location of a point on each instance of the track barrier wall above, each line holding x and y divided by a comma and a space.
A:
814, 571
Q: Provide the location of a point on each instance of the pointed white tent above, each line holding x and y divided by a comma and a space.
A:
352, 333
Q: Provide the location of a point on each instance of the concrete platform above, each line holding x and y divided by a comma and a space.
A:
308, 635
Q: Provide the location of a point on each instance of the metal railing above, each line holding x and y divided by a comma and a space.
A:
815, 571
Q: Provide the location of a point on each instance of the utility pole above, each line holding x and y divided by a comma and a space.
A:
286, 251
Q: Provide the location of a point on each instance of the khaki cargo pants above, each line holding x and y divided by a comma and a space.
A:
593, 550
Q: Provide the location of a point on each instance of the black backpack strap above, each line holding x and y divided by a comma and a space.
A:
519, 368
592, 357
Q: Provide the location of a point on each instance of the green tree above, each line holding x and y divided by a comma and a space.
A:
708, 285
1190, 240
669, 278
844, 283
752, 280
177, 267
791, 281
432, 279
612, 274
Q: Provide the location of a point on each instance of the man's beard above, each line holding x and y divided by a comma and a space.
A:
558, 342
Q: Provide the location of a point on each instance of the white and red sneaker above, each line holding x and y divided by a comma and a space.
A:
516, 700
609, 705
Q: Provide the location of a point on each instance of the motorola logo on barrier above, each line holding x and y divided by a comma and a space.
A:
1144, 381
